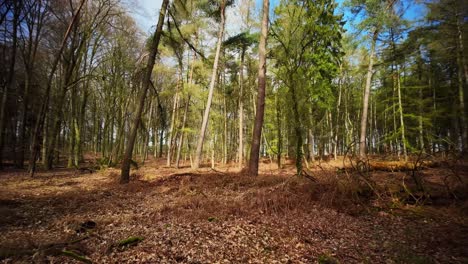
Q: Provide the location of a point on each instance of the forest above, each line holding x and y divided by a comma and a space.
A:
233, 131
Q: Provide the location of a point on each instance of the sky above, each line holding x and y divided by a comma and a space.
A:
145, 13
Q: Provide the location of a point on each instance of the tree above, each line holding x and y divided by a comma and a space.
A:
11, 73
37, 134
35, 18
376, 16
241, 41
258, 123
206, 115
306, 58
154, 43
447, 19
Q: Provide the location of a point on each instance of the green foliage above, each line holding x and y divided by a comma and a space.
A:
374, 14
212, 8
306, 52
242, 40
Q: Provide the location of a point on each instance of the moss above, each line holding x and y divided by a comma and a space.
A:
408, 257
129, 241
327, 259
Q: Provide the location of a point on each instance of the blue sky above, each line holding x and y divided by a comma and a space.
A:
145, 11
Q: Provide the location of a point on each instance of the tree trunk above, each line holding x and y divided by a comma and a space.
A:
297, 130
240, 151
10, 80
257, 132
182, 133
125, 174
201, 138
225, 120
278, 127
461, 98
172, 128
338, 108
400, 112
29, 61
312, 146
461, 49
365, 101
38, 129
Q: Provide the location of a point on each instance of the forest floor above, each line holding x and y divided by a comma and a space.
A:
168, 215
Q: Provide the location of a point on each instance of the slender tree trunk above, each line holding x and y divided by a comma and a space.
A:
395, 128
400, 112
461, 97
70, 68
278, 127
297, 129
312, 146
257, 132
420, 107
187, 105
461, 49
330, 133
11, 74
182, 133
171, 135
36, 138
338, 107
365, 101
29, 61
201, 138
125, 174
240, 151
225, 119
22, 128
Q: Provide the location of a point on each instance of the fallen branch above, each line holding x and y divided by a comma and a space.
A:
73, 255
308, 176
130, 241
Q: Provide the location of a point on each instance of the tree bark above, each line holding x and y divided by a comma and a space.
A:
402, 122
172, 127
201, 138
11, 74
338, 108
38, 129
365, 101
182, 133
240, 151
278, 127
125, 173
257, 132
29, 60
462, 68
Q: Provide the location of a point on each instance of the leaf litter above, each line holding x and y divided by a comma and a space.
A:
210, 216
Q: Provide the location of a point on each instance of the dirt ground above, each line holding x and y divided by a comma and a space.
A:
221, 216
